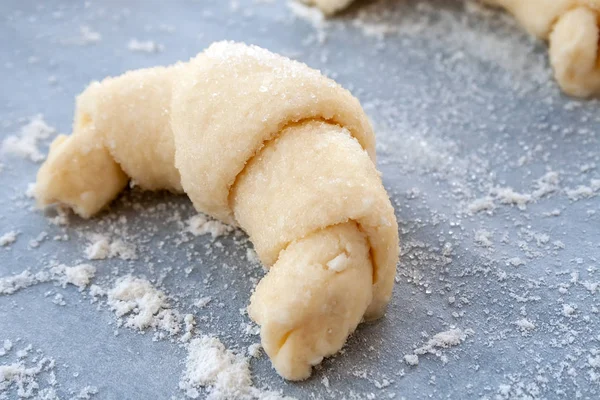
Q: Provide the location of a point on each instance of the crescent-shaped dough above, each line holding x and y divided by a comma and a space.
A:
263, 142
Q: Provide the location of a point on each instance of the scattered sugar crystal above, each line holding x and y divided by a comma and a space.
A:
25, 144
411, 359
8, 238
201, 225
144, 46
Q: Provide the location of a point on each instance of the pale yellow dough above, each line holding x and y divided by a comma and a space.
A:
570, 26
574, 52
263, 142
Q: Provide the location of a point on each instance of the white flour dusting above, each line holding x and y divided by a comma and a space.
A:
254, 350
22, 377
525, 326
144, 46
568, 310
482, 204
252, 257
25, 279
483, 238
190, 323
79, 275
209, 364
30, 192
466, 33
123, 250
7, 345
515, 262
35, 242
201, 225
452, 337
143, 306
33, 375
202, 302
584, 192
411, 359
507, 195
224, 374
8, 238
88, 35
100, 248
549, 183
442, 340
25, 144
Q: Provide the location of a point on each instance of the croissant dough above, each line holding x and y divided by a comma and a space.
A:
260, 141
570, 26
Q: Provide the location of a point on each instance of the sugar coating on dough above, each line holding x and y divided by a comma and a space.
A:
260, 141
130, 115
280, 197
267, 92
307, 313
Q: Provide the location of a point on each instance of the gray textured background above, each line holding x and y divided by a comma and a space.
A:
462, 103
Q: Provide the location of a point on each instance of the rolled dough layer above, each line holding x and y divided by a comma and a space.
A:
263, 142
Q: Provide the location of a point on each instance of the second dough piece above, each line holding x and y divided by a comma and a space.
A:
571, 28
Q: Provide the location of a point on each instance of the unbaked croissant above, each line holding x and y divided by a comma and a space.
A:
571, 28
260, 141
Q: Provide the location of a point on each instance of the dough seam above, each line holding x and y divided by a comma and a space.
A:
264, 145
283, 340
374, 268
317, 230
274, 136
285, 337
